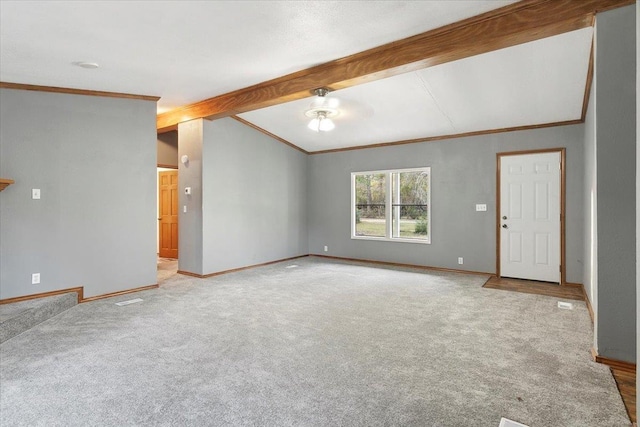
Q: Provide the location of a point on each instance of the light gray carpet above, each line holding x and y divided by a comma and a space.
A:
322, 344
21, 316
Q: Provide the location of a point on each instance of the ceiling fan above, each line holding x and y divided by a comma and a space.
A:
324, 109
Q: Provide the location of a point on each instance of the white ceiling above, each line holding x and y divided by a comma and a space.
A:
187, 51
534, 83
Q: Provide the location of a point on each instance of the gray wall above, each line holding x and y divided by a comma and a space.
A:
589, 276
190, 175
168, 148
615, 136
637, 198
463, 174
95, 162
254, 198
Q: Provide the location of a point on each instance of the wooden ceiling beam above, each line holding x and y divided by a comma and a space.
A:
515, 24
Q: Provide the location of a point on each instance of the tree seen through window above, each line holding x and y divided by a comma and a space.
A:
392, 204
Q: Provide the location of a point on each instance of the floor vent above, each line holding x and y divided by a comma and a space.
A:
510, 423
292, 266
565, 305
131, 301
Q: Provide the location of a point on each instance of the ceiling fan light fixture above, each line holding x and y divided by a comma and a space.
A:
321, 113
314, 125
326, 125
321, 123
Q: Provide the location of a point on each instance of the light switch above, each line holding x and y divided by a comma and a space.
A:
35, 193
481, 208
184, 209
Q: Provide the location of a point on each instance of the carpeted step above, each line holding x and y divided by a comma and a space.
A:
19, 317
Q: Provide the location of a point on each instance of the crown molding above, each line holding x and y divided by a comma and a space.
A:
20, 86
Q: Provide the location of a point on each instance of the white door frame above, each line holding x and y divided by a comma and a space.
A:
563, 187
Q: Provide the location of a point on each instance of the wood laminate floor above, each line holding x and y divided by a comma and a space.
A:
540, 288
626, 382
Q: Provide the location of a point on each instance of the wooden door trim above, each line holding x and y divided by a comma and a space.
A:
563, 205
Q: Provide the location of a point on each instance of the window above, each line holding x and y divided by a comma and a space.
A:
391, 205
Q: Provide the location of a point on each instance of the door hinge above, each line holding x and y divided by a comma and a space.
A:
560, 268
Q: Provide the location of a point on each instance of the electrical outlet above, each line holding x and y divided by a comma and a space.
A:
326, 248
460, 260
35, 193
35, 278
481, 208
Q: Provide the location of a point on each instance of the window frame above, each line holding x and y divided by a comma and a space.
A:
389, 206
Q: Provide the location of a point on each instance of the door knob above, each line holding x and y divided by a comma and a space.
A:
504, 217
505, 226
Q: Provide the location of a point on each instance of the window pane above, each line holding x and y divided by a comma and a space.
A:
410, 198
370, 205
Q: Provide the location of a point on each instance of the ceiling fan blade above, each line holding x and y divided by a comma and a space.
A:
351, 109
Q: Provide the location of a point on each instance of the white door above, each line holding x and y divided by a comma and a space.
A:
530, 216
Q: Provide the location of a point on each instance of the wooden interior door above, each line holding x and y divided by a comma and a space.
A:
168, 213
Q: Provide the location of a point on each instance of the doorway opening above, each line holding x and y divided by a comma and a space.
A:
167, 205
167, 229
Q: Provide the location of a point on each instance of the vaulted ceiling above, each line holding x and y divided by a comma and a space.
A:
536, 83
400, 70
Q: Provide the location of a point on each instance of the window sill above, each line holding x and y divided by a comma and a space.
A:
396, 240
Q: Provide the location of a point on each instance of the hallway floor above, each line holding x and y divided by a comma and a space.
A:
167, 268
